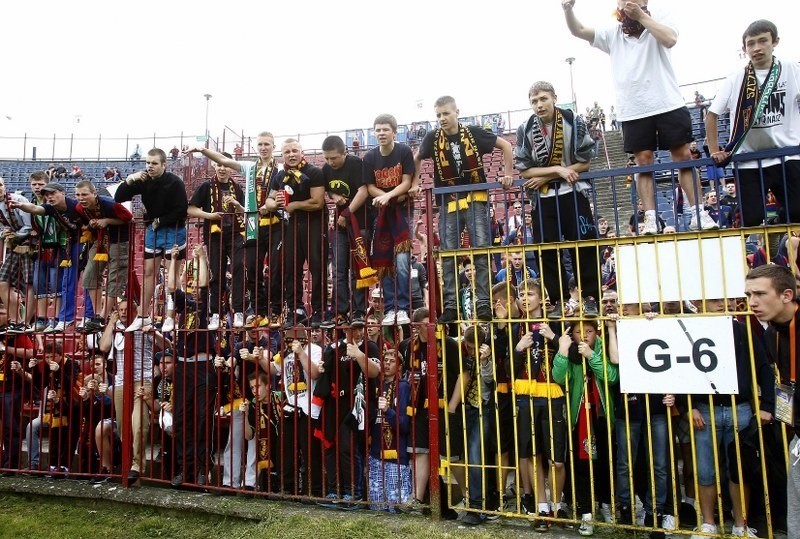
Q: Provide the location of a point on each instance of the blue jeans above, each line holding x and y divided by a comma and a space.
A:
345, 278
723, 423
476, 220
33, 437
480, 482
47, 279
69, 286
640, 434
397, 288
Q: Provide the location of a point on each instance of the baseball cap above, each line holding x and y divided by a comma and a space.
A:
166, 352
251, 321
53, 186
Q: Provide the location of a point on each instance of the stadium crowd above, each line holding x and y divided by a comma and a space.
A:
315, 333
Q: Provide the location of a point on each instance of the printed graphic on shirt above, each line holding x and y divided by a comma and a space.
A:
775, 109
389, 177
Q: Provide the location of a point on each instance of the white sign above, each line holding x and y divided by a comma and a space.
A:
687, 356
681, 270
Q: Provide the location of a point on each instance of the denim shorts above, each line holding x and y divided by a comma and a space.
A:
158, 243
723, 422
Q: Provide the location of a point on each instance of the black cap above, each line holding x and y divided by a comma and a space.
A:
166, 352
54, 186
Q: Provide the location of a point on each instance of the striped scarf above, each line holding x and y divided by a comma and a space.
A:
447, 169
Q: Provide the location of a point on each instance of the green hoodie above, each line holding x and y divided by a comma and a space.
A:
570, 375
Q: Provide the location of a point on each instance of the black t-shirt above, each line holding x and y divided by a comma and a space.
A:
345, 182
311, 177
483, 138
201, 198
344, 372
386, 171
414, 356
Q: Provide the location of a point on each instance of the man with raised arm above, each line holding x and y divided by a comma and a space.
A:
261, 233
651, 106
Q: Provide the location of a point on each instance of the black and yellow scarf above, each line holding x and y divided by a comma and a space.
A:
550, 154
219, 204
751, 104
445, 164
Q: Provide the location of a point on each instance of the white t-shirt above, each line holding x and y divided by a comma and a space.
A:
642, 69
779, 125
294, 395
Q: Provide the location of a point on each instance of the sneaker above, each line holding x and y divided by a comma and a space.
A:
590, 307
349, 503
238, 320
567, 523
706, 222
358, 320
541, 525
527, 507
60, 327
133, 476
17, 328
743, 531
668, 523
706, 528
213, 322
607, 512
448, 316
168, 324
94, 324
586, 528
41, 325
177, 481
402, 318
138, 323
484, 313
650, 226
416, 507
389, 319
472, 519
316, 320
558, 311
58, 472
330, 501
330, 320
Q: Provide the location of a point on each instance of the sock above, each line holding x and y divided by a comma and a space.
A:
544, 507
690, 501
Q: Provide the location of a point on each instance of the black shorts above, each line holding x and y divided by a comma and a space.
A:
420, 437
660, 132
537, 428
751, 192
505, 417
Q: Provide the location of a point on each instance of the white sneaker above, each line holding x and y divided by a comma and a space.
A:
213, 322
138, 323
389, 319
238, 320
706, 528
586, 528
402, 318
706, 222
168, 324
650, 226
668, 523
61, 327
741, 531
608, 514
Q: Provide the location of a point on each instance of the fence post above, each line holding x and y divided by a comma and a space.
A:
433, 368
99, 143
126, 429
25, 145
53, 157
71, 139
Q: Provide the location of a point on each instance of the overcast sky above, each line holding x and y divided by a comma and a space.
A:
137, 68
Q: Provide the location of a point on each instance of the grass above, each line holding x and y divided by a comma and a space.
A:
57, 517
